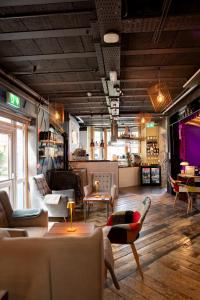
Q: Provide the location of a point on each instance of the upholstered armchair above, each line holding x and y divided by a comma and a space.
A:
106, 185
123, 227
55, 202
18, 222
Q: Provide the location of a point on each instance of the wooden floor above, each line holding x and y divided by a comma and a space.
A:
169, 250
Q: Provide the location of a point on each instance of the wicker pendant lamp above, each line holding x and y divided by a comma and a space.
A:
159, 95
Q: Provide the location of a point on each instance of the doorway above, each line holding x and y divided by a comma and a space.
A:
13, 161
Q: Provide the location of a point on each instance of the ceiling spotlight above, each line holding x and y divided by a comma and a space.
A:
111, 37
113, 76
89, 94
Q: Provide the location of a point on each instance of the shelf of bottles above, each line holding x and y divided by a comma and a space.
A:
51, 147
152, 149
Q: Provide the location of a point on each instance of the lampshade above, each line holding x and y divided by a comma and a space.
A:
184, 163
160, 96
71, 204
144, 118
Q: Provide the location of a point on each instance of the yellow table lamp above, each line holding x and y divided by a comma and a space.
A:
71, 206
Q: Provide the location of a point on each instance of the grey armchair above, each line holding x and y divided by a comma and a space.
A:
55, 202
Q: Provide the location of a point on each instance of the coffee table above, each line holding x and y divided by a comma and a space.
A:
60, 229
96, 198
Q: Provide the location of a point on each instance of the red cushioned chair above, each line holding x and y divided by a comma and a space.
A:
123, 227
179, 187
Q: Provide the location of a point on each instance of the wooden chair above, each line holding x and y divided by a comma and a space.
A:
179, 187
123, 227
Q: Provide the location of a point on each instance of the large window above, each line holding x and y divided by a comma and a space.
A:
13, 161
121, 147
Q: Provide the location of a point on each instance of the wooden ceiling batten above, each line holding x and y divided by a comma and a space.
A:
7, 3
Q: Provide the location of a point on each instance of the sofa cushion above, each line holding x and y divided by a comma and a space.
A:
26, 213
3, 217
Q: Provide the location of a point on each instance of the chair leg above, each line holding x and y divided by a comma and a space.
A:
177, 195
189, 203
137, 259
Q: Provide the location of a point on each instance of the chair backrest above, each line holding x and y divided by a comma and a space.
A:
105, 181
42, 184
143, 210
5, 209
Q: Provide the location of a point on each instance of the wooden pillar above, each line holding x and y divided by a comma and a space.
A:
105, 144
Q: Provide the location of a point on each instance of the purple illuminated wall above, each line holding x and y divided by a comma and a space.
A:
190, 144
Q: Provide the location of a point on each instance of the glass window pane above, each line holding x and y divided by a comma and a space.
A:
20, 153
20, 195
4, 156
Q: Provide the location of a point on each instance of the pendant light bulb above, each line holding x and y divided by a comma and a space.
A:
143, 120
160, 97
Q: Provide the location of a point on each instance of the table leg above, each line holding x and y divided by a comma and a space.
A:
108, 206
85, 210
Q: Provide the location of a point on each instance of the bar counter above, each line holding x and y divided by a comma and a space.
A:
129, 176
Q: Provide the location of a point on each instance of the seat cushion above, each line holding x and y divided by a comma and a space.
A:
26, 213
3, 217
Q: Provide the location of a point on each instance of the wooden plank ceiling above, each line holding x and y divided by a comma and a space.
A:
56, 47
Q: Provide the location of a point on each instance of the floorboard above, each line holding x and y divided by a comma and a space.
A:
168, 246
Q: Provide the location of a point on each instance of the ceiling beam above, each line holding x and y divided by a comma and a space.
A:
153, 79
157, 51
173, 23
66, 98
156, 68
75, 98
45, 14
58, 83
67, 83
48, 56
146, 88
43, 34
32, 73
6, 3
71, 92
95, 70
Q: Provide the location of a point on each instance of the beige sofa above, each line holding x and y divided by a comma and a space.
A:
53, 268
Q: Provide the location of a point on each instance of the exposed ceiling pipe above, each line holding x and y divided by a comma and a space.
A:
24, 87
159, 29
179, 98
193, 79
190, 84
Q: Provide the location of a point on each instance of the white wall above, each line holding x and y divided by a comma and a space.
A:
83, 139
74, 135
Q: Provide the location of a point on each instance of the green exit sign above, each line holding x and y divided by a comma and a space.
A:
13, 100
150, 125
